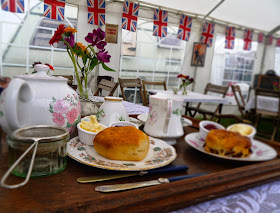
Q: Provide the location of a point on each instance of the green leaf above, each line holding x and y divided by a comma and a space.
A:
68, 125
93, 63
107, 68
51, 111
54, 100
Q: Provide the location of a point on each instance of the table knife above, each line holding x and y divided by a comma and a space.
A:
126, 186
169, 169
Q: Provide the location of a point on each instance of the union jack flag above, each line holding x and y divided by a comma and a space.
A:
247, 39
270, 40
260, 37
230, 36
54, 9
207, 34
185, 27
15, 6
160, 23
278, 42
96, 12
130, 15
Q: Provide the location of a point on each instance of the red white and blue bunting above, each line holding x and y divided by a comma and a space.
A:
96, 12
14, 6
185, 27
207, 34
54, 9
130, 16
230, 37
160, 23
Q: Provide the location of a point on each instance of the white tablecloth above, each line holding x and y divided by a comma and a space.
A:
131, 108
260, 199
193, 96
264, 103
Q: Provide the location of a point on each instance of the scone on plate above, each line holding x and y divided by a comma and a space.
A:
227, 143
122, 143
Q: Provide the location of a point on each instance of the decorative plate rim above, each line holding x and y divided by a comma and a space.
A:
76, 157
254, 143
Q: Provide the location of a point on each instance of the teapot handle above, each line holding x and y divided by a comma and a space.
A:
15, 92
168, 116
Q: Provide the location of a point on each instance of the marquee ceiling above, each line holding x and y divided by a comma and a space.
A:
263, 15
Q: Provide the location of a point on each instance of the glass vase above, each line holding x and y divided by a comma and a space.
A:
184, 89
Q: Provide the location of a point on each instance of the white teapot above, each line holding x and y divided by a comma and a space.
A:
39, 99
164, 117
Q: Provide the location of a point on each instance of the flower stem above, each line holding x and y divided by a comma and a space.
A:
72, 57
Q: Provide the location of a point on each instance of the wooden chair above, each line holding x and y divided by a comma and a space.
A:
106, 85
264, 113
239, 99
136, 83
209, 88
157, 83
266, 81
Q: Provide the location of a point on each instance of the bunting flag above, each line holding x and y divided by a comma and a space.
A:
130, 15
260, 37
270, 40
230, 36
247, 39
15, 6
96, 12
185, 27
54, 9
207, 34
278, 42
160, 23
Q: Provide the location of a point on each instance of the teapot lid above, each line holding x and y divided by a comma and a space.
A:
41, 74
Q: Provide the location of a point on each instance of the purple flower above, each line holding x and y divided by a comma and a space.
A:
103, 56
70, 40
95, 36
101, 44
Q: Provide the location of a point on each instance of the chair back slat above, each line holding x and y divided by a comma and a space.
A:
136, 83
157, 83
238, 98
214, 89
107, 86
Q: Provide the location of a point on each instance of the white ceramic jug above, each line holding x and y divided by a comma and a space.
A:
164, 118
112, 110
39, 99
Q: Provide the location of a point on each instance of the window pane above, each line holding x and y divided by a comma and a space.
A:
14, 54
11, 71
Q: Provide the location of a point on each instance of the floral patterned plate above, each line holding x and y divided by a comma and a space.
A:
261, 151
160, 154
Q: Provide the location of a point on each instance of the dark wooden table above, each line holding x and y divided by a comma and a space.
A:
62, 193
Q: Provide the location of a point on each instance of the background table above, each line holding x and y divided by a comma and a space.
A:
193, 96
264, 103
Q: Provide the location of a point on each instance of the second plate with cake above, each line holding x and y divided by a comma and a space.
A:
260, 150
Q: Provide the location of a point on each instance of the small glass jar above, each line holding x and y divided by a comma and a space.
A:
51, 156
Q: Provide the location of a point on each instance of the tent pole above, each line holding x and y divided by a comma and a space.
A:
214, 8
265, 47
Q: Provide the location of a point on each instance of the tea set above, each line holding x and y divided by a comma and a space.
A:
34, 102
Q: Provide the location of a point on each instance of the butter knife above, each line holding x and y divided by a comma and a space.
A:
126, 186
169, 169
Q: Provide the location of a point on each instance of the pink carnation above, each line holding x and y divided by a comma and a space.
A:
60, 106
72, 115
58, 119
